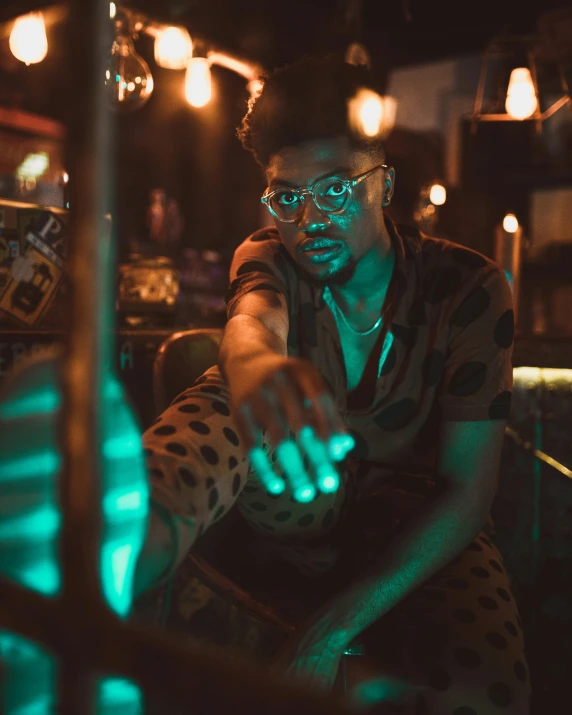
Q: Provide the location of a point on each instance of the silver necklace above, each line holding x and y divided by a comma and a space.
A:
355, 332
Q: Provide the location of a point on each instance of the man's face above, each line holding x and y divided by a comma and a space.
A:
356, 231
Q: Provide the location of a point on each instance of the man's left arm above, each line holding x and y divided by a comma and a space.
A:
474, 396
468, 462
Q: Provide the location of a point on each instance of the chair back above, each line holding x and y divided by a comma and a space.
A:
180, 360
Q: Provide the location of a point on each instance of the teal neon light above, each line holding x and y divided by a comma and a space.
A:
30, 523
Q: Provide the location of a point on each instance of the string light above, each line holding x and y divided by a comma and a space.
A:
198, 86
173, 48
28, 40
371, 115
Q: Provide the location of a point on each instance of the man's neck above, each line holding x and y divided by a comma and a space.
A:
365, 292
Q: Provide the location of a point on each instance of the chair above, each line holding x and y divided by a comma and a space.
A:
180, 360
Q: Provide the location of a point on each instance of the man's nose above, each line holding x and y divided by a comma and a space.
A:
312, 219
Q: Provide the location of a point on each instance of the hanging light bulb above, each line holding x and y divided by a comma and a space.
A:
198, 88
510, 223
521, 101
173, 48
28, 41
437, 195
371, 115
127, 76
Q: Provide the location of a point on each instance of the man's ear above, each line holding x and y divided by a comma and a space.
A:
388, 185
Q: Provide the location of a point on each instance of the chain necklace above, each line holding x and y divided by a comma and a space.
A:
356, 332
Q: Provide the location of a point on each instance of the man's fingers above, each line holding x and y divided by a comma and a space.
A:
262, 466
327, 476
291, 462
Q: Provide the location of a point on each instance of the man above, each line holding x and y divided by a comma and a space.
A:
341, 323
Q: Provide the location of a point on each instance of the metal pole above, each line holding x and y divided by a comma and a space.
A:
88, 341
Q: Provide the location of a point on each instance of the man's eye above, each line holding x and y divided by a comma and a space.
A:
336, 189
286, 198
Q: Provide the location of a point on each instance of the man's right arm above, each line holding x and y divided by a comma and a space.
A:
257, 330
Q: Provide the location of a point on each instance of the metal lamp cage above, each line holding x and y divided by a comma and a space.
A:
504, 48
77, 627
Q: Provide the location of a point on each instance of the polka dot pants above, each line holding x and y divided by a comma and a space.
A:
458, 639
199, 470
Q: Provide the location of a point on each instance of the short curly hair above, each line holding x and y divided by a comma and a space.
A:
303, 101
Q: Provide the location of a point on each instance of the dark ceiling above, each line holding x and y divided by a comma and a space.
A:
396, 33
273, 33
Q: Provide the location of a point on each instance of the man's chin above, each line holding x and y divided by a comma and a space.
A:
336, 278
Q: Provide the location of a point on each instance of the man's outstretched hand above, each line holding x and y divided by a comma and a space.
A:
285, 396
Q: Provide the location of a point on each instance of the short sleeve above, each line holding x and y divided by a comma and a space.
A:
477, 378
258, 264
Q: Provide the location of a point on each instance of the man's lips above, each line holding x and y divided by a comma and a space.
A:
315, 244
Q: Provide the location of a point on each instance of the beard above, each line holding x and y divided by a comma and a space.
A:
339, 277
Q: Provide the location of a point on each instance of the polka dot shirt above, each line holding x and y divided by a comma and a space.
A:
445, 352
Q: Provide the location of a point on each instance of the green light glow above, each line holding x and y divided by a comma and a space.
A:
43, 576
42, 401
276, 487
329, 483
340, 445
315, 448
263, 468
305, 494
119, 501
115, 693
30, 522
30, 466
43, 522
122, 446
290, 459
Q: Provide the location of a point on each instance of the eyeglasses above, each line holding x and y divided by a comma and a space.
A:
331, 196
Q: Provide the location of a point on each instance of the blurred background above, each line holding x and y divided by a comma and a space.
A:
483, 157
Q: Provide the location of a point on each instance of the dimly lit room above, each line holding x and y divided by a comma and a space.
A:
285, 357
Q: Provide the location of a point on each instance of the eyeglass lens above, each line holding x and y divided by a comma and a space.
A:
330, 195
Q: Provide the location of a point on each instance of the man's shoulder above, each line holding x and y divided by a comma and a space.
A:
447, 261
259, 252
263, 237
448, 270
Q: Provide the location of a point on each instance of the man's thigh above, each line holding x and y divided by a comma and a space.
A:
458, 639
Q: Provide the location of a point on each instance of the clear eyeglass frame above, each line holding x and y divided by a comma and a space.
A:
311, 190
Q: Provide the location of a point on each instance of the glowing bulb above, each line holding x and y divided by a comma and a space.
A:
112, 10
198, 90
173, 48
28, 41
521, 101
123, 69
255, 87
510, 223
65, 177
437, 195
371, 115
